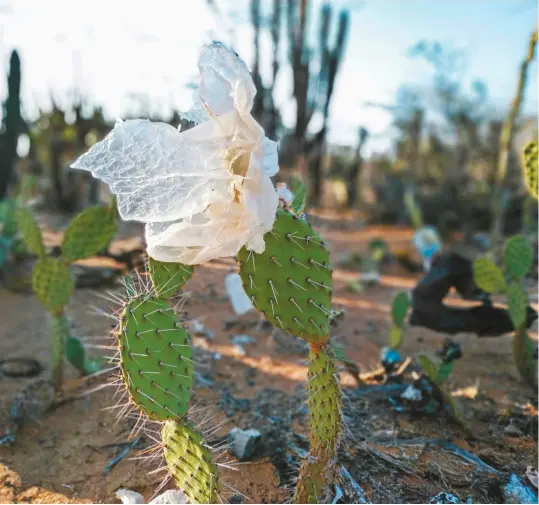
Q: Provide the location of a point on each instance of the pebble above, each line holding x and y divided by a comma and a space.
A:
243, 443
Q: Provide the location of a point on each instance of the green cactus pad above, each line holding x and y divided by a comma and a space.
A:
313, 481
75, 352
168, 278
399, 308
488, 276
298, 189
88, 233
59, 336
517, 257
290, 282
445, 370
429, 367
518, 304
8, 217
395, 337
156, 354
30, 232
530, 168
52, 283
190, 462
325, 402
524, 354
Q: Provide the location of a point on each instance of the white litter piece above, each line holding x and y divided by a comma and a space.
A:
237, 295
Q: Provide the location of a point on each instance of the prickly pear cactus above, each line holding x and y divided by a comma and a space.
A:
59, 336
488, 276
88, 233
530, 168
314, 476
517, 257
325, 402
517, 260
168, 278
190, 462
52, 283
156, 358
30, 232
399, 310
290, 282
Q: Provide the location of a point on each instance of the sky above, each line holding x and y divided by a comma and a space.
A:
115, 50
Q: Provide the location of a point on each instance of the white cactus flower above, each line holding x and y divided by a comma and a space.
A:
203, 193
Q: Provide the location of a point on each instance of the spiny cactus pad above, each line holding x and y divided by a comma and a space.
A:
155, 352
395, 337
190, 462
30, 232
313, 481
60, 334
88, 233
8, 217
524, 354
530, 168
517, 257
325, 402
290, 282
168, 278
399, 308
488, 276
518, 304
52, 283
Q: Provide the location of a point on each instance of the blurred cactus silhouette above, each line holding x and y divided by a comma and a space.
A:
12, 124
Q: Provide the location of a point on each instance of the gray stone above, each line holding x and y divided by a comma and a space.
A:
243, 443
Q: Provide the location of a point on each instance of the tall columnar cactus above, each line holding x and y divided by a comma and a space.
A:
157, 369
13, 124
87, 234
517, 260
530, 168
291, 284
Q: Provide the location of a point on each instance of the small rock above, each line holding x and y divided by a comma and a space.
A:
512, 431
239, 351
444, 497
411, 393
129, 497
172, 496
243, 443
243, 339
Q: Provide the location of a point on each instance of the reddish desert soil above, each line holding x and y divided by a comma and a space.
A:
61, 457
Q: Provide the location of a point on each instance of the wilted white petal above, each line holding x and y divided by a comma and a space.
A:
225, 85
157, 173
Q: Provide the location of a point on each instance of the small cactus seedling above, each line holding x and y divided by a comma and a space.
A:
399, 310
517, 260
85, 236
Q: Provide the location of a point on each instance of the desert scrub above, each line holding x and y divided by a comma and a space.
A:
203, 194
86, 235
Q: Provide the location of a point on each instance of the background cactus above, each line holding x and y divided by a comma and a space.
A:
399, 310
517, 261
87, 234
530, 168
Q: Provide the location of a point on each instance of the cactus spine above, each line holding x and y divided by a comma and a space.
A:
87, 234
157, 369
291, 284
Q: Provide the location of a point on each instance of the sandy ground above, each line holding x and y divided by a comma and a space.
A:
62, 456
